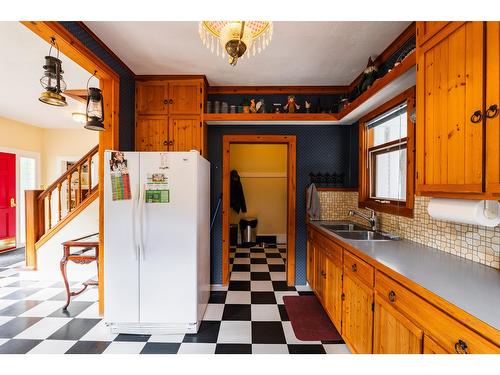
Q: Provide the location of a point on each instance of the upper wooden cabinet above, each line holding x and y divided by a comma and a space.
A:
449, 102
458, 91
426, 29
492, 109
169, 115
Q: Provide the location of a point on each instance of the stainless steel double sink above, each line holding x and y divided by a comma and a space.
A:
356, 232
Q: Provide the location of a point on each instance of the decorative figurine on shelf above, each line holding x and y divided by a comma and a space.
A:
260, 106
307, 105
406, 52
246, 105
370, 74
253, 108
291, 106
344, 102
277, 107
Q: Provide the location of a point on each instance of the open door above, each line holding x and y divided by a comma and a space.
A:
7, 201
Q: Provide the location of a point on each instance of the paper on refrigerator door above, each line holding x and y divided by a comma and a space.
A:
120, 181
156, 189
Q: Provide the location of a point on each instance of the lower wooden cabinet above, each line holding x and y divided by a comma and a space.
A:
377, 314
393, 333
332, 299
432, 347
357, 314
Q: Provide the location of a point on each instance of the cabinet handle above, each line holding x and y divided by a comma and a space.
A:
165, 102
354, 267
461, 347
342, 296
492, 111
476, 117
171, 143
171, 101
165, 143
323, 273
392, 296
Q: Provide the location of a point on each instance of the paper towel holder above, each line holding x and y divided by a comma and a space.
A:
490, 210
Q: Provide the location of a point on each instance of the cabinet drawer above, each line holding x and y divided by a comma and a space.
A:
358, 268
330, 248
447, 332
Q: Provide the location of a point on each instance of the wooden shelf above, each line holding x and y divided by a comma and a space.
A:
269, 118
393, 83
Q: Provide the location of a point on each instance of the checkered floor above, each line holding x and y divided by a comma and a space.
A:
248, 317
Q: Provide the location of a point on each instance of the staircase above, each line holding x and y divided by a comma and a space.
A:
49, 210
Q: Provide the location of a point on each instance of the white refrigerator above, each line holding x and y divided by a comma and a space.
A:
156, 241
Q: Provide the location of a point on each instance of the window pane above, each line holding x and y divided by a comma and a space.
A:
390, 130
389, 177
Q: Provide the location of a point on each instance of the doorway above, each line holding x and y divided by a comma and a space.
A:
7, 201
290, 177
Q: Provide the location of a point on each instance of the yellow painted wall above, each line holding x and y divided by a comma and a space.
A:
266, 197
49, 143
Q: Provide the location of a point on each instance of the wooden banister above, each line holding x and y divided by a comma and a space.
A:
39, 216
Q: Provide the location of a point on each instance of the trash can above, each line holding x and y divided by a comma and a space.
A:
248, 227
233, 235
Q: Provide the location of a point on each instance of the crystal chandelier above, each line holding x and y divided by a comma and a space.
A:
236, 37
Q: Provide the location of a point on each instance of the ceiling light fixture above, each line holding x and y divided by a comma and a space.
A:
52, 80
95, 110
236, 37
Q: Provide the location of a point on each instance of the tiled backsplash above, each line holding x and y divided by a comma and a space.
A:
474, 242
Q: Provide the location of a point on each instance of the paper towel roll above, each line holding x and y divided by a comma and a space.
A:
486, 213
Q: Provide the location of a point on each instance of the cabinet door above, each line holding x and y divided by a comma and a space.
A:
151, 133
310, 260
449, 92
333, 291
357, 315
432, 347
185, 97
320, 273
152, 98
493, 107
184, 133
393, 333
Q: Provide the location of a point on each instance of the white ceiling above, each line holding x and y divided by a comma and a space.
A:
21, 67
301, 53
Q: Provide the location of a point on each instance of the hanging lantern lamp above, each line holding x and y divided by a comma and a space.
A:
52, 80
95, 108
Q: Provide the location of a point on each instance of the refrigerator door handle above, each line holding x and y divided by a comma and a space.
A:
141, 224
135, 208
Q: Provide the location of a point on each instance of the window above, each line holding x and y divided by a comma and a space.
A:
386, 162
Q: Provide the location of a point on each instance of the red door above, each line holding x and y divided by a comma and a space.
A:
7, 201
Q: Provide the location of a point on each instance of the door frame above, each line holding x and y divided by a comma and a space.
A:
291, 142
19, 153
109, 82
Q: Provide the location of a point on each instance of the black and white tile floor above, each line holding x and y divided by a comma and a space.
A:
248, 317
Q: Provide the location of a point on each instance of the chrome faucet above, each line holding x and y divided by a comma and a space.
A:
372, 219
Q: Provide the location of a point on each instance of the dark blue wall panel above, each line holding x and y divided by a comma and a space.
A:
320, 148
127, 83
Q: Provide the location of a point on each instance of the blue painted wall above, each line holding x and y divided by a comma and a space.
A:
320, 148
127, 83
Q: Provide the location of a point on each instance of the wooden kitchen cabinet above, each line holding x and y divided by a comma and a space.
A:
432, 347
169, 115
492, 104
450, 81
185, 97
357, 306
427, 29
310, 266
394, 333
320, 273
332, 299
151, 133
185, 133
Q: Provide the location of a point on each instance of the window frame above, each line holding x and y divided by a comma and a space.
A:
394, 207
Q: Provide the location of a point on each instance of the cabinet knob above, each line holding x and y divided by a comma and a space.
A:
392, 296
354, 267
342, 296
171, 142
165, 143
492, 111
476, 117
165, 102
323, 273
171, 101
461, 347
